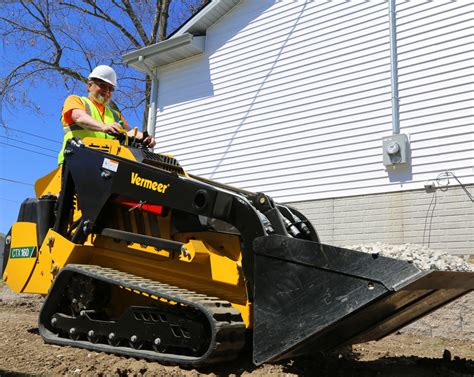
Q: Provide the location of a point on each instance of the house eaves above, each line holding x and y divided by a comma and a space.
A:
187, 41
169, 51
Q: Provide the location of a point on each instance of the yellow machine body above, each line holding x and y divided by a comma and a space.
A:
212, 262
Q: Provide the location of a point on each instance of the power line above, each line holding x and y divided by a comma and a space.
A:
13, 181
28, 150
28, 133
33, 145
9, 200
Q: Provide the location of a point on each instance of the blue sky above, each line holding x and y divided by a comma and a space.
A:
25, 158
27, 164
30, 143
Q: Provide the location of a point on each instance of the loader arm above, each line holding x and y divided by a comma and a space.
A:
96, 177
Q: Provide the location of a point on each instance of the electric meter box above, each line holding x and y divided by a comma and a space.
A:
396, 150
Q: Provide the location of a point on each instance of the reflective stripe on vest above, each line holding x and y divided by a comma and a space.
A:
85, 101
74, 130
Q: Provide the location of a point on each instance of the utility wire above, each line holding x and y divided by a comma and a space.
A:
9, 200
429, 218
444, 187
13, 181
24, 142
28, 150
28, 133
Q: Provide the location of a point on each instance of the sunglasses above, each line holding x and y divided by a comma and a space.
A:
104, 86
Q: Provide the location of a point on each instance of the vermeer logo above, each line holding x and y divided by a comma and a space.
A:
148, 183
23, 252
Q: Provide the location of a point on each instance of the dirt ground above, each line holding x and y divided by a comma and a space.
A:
23, 352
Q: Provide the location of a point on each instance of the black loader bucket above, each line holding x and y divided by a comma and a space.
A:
314, 297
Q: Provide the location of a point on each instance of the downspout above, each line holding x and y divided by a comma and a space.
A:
151, 125
394, 67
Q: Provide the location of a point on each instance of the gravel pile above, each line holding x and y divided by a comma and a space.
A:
421, 256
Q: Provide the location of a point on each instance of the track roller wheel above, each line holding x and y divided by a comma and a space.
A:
74, 334
113, 340
158, 346
135, 342
92, 337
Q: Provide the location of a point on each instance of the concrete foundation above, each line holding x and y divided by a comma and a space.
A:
443, 220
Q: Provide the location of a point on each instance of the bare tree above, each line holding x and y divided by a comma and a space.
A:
60, 42
184, 9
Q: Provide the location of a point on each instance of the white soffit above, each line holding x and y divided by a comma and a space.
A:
187, 41
165, 52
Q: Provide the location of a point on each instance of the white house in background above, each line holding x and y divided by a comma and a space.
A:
294, 98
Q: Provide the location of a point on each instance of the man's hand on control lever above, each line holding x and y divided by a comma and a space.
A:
146, 140
112, 128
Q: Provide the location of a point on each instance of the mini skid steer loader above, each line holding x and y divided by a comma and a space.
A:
139, 258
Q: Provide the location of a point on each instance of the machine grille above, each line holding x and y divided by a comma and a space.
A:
167, 163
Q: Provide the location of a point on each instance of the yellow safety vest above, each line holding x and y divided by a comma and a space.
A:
74, 130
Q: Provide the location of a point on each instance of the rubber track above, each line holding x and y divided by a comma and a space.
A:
227, 327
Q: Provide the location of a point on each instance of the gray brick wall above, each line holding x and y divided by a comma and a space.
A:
443, 220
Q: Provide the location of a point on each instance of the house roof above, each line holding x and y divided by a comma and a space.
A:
207, 16
185, 42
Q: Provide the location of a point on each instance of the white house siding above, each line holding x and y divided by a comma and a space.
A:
295, 101
436, 80
293, 98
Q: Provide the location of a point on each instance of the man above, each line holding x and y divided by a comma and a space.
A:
91, 116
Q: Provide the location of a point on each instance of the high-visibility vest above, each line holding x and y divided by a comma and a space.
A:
75, 130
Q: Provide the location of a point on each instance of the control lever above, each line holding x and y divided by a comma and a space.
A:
134, 142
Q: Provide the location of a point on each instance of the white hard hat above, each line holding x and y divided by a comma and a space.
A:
104, 73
